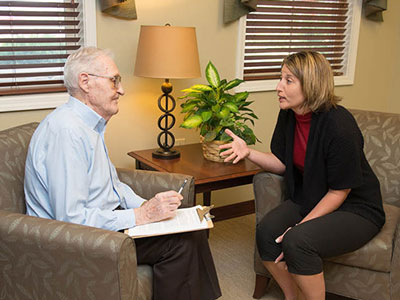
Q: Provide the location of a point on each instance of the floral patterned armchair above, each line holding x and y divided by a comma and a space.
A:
372, 272
48, 259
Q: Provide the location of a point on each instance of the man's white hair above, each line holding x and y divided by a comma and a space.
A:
83, 60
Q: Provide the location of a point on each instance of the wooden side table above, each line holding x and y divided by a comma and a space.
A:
209, 176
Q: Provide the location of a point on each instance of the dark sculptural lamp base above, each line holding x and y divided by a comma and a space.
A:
162, 154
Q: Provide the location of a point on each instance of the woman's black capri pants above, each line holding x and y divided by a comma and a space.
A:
305, 245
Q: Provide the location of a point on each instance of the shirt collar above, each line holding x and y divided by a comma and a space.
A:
87, 115
306, 118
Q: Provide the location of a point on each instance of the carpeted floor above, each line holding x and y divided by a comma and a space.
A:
232, 245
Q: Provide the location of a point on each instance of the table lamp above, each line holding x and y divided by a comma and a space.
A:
167, 52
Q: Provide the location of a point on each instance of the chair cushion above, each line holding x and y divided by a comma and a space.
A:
14, 144
381, 147
376, 254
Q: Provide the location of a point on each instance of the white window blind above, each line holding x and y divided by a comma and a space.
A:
36, 37
279, 28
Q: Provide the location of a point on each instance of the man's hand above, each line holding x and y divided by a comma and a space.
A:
161, 206
237, 149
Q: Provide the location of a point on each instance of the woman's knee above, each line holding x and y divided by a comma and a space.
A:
299, 254
293, 244
266, 245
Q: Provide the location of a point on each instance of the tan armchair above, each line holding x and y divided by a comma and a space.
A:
48, 259
372, 272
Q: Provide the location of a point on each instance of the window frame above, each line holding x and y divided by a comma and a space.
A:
355, 8
52, 100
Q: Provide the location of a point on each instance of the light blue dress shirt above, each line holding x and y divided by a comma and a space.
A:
69, 175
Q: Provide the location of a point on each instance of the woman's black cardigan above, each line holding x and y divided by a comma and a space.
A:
334, 160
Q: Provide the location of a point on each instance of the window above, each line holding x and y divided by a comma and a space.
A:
36, 37
279, 28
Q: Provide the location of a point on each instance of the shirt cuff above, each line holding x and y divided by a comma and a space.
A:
125, 219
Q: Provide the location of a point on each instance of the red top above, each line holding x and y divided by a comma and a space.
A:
303, 123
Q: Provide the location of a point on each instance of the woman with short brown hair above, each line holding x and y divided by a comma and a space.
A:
316, 78
334, 205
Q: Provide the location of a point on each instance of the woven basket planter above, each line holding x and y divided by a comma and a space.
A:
211, 150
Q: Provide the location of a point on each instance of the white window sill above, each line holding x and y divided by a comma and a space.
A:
31, 102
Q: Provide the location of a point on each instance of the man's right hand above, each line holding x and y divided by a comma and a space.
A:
161, 206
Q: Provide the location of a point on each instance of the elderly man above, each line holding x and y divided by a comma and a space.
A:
69, 177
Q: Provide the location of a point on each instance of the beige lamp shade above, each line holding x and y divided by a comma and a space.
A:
167, 52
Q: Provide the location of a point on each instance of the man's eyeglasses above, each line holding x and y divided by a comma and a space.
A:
116, 80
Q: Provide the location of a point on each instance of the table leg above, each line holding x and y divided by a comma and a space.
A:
207, 198
207, 202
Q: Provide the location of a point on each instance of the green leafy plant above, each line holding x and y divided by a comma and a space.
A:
212, 109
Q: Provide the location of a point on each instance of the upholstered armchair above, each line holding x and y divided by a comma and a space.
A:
48, 259
372, 272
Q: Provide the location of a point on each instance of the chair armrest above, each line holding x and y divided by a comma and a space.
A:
148, 183
395, 270
269, 191
49, 259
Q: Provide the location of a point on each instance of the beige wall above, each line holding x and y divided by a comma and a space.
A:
376, 78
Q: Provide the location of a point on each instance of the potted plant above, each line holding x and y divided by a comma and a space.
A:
212, 109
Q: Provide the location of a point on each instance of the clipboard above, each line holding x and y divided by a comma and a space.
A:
186, 219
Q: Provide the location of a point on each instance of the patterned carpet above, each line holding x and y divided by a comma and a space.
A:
232, 245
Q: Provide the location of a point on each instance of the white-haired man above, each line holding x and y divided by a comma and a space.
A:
69, 177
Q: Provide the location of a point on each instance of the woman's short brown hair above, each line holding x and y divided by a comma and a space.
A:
316, 78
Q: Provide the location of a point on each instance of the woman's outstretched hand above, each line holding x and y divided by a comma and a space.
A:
236, 150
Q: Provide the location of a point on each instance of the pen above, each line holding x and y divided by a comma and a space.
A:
182, 186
